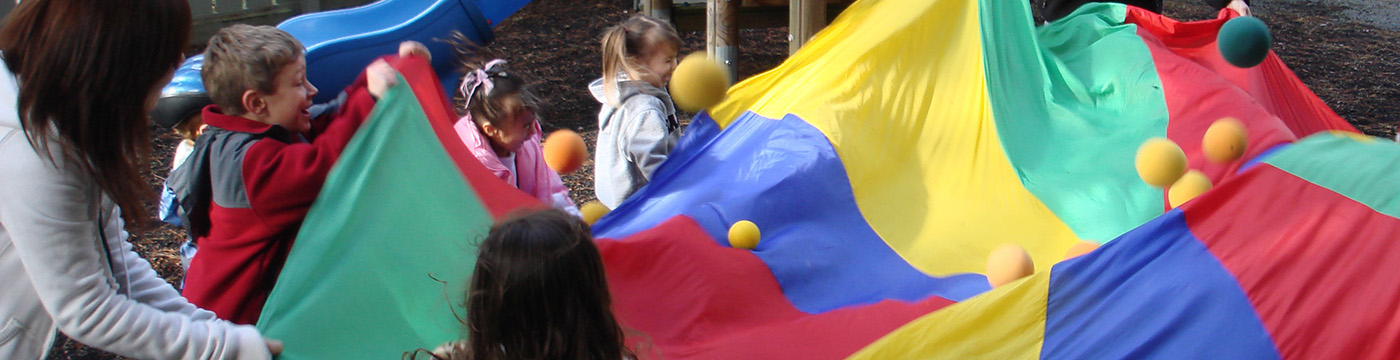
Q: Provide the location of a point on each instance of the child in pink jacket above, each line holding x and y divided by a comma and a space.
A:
502, 132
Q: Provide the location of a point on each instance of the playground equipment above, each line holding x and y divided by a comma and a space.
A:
184, 96
722, 19
339, 44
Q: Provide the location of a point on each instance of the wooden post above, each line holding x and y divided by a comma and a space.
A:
722, 32
805, 19
659, 9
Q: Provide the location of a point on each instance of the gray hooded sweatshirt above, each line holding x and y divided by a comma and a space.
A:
633, 138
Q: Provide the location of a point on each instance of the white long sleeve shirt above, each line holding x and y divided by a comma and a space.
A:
57, 269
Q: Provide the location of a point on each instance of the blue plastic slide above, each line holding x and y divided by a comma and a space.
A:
339, 44
497, 10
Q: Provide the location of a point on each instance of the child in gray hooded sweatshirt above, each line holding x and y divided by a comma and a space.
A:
637, 126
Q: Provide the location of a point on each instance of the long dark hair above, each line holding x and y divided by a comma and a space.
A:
539, 292
85, 70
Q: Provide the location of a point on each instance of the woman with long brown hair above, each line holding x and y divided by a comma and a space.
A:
79, 77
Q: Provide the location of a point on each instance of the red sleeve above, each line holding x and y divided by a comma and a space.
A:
283, 179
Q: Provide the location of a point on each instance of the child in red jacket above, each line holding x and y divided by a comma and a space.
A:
257, 168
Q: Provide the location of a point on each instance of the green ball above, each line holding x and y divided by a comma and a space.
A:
1244, 41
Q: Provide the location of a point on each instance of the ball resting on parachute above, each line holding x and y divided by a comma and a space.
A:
698, 83
744, 234
1080, 248
1191, 185
1007, 263
592, 211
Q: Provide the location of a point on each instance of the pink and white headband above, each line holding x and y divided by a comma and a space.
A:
480, 78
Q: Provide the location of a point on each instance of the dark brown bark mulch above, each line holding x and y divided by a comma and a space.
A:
1351, 65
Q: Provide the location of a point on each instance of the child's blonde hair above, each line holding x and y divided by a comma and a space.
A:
244, 57
624, 43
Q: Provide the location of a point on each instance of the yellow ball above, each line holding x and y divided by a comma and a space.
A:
1191, 185
744, 235
592, 211
1225, 140
1080, 248
1160, 162
698, 83
1007, 263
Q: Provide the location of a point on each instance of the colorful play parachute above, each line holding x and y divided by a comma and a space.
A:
882, 163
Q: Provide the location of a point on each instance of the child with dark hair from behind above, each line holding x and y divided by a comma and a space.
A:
538, 292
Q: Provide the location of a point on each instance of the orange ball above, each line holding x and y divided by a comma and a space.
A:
1080, 248
564, 151
1007, 263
